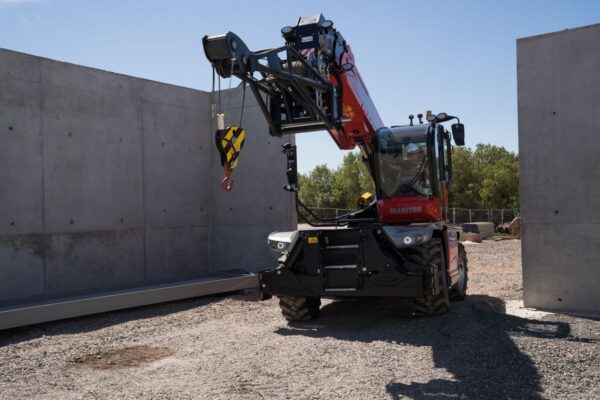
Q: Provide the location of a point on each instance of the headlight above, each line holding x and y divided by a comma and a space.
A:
282, 241
402, 236
412, 239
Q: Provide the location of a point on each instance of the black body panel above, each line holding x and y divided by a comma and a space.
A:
344, 262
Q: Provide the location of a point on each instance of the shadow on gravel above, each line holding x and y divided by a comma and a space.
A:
474, 342
94, 322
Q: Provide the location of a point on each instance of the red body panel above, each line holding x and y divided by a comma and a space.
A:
405, 209
451, 242
358, 108
444, 196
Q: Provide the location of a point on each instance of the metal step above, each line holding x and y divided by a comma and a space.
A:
347, 266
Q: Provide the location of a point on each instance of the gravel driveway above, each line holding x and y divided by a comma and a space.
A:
238, 348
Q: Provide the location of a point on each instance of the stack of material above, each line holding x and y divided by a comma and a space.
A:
514, 228
484, 229
471, 237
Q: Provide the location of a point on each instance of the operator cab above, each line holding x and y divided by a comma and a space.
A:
413, 170
402, 161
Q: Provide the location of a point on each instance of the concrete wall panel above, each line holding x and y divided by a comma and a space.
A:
21, 193
20, 66
231, 251
80, 263
91, 80
559, 148
93, 160
113, 182
558, 96
21, 267
177, 253
162, 93
566, 279
176, 165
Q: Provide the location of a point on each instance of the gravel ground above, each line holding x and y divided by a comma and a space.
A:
238, 348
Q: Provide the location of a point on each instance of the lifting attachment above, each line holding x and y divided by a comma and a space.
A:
229, 143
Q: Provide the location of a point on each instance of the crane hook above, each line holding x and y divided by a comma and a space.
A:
227, 182
229, 142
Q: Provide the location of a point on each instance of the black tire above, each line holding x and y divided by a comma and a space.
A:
459, 291
299, 308
428, 254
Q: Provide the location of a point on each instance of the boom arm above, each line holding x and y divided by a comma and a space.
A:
310, 83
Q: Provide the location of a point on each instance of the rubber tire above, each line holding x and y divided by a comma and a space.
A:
296, 309
459, 291
427, 254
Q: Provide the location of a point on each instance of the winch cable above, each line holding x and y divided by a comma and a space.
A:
243, 102
229, 138
215, 108
219, 80
212, 95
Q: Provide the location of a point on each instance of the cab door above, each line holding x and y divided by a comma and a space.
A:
444, 153
451, 239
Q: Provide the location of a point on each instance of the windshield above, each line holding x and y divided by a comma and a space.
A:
403, 164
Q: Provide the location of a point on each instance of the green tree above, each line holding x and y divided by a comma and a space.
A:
466, 186
317, 188
487, 177
351, 180
500, 186
339, 188
499, 176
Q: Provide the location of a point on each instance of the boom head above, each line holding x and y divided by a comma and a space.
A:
310, 82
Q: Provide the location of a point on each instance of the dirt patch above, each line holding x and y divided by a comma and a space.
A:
135, 356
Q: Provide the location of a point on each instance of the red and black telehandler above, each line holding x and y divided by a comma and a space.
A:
399, 242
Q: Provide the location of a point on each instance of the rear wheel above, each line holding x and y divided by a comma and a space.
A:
429, 254
299, 308
459, 291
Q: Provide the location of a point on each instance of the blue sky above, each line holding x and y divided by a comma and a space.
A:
453, 56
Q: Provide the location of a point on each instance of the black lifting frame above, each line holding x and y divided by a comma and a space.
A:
300, 99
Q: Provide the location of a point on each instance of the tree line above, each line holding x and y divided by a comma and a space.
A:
486, 177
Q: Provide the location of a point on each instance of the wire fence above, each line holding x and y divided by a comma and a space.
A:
498, 216
456, 216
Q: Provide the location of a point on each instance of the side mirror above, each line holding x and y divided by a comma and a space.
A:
458, 133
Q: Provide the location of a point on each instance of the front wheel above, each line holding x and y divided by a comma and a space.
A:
428, 254
299, 308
